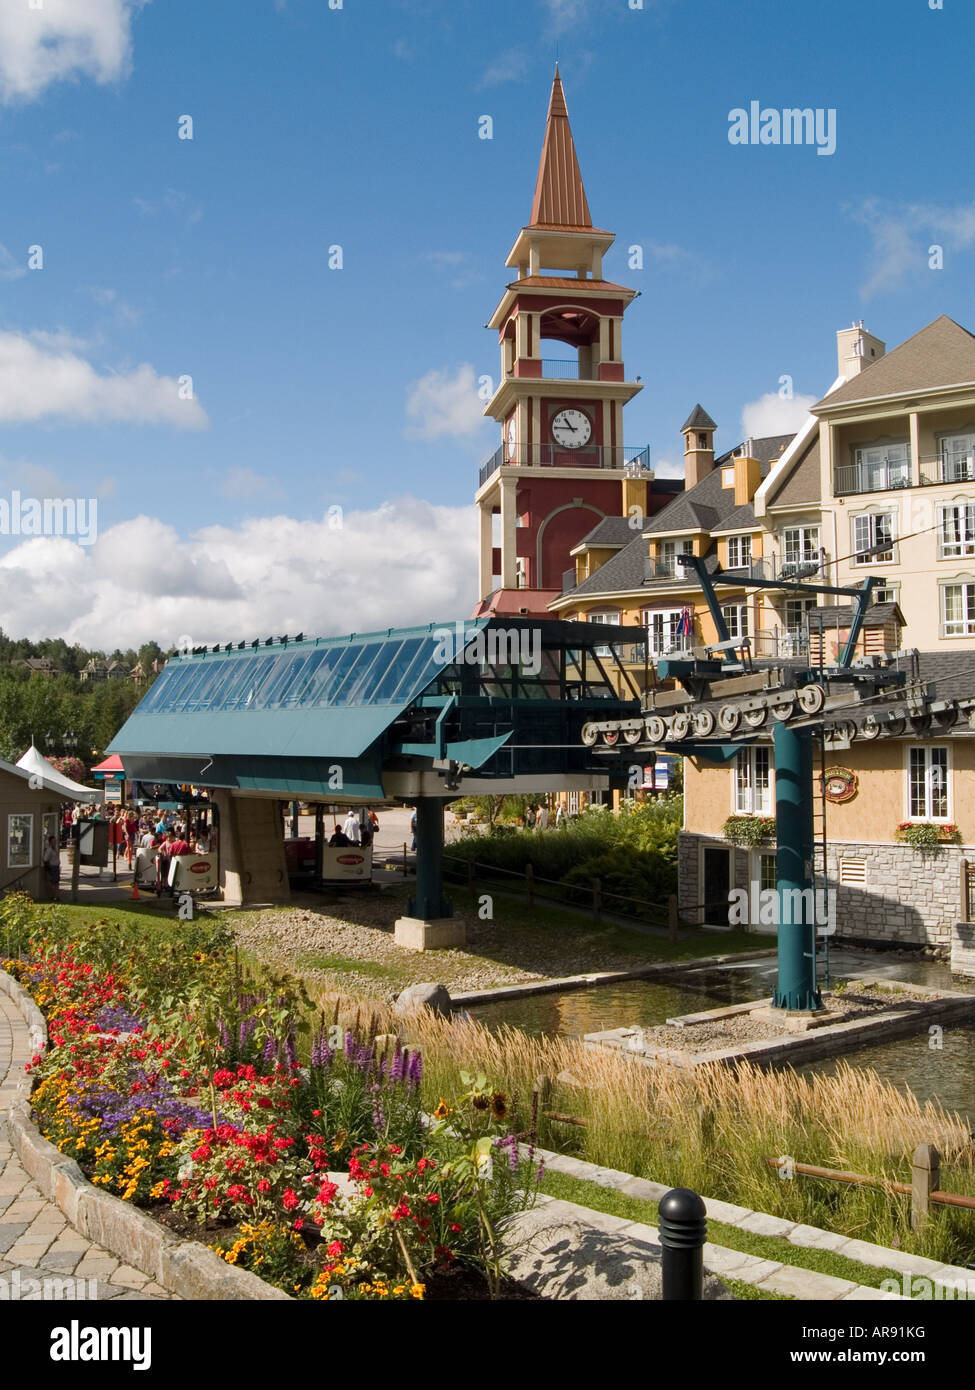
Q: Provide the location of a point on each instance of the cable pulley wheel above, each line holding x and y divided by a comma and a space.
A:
896, 726
680, 725
844, 730
703, 723
632, 735
784, 711
590, 734
755, 718
656, 728
812, 699
729, 718
611, 737
869, 728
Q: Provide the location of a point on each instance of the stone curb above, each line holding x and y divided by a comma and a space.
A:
761, 1223
182, 1267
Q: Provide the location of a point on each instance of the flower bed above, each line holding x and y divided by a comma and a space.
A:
328, 1180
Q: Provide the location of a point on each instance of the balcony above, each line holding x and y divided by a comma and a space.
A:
561, 369
871, 477
944, 468
628, 458
568, 579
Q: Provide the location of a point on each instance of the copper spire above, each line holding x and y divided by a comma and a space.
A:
560, 199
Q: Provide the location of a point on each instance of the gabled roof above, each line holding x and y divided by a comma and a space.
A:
698, 419
841, 616
560, 198
939, 356
613, 532
705, 507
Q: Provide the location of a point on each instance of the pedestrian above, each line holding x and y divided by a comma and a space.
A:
365, 829
541, 821
339, 837
51, 862
413, 830
560, 817
529, 817
351, 827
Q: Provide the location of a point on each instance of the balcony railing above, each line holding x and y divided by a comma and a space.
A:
568, 579
779, 642
763, 568
561, 368
871, 477
944, 468
630, 458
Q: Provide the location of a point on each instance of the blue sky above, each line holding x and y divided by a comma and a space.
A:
317, 388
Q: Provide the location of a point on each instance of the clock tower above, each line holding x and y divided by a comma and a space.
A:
562, 464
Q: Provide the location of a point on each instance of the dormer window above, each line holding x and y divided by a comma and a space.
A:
702, 441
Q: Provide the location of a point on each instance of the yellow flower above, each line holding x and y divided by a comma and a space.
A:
442, 1110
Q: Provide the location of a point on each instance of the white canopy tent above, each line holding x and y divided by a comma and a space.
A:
36, 765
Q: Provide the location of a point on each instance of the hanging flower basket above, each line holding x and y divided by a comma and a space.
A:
924, 834
749, 831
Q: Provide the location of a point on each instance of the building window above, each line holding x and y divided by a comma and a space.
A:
956, 531
662, 625
874, 533
928, 783
573, 803
887, 593
958, 458
611, 616
796, 610
20, 842
800, 544
765, 871
753, 790
739, 552
882, 466
958, 610
667, 552
736, 619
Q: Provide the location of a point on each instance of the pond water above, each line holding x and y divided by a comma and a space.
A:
945, 1074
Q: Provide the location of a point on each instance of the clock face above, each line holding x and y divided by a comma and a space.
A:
511, 437
571, 429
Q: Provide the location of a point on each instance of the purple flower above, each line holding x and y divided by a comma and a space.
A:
270, 1051
397, 1070
350, 1047
415, 1070
291, 1051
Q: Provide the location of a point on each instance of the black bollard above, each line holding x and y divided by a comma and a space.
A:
683, 1226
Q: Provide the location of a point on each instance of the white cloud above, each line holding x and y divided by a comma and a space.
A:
667, 468
404, 562
441, 404
901, 235
42, 375
63, 39
772, 414
10, 268
511, 66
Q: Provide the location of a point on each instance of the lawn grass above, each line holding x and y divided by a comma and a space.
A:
777, 1248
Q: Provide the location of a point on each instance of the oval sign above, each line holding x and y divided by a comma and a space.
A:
350, 858
203, 868
840, 784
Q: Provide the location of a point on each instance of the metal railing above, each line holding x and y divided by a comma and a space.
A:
561, 368
634, 459
777, 642
871, 477
568, 579
944, 468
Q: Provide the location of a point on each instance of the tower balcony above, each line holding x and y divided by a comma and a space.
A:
578, 368
619, 458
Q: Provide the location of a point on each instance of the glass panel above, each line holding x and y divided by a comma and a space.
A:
396, 669
242, 693
314, 691
348, 656
286, 668
420, 674
939, 782
158, 697
350, 691
196, 675
917, 784
295, 693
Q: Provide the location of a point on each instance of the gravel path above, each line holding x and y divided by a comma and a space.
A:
315, 941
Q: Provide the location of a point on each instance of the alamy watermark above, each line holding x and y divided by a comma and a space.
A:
50, 516
52, 1288
793, 125
768, 907
496, 646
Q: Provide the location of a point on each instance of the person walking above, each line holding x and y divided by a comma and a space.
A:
541, 820
51, 863
351, 827
560, 817
529, 817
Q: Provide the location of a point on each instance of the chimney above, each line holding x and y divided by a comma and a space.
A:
857, 349
748, 475
698, 431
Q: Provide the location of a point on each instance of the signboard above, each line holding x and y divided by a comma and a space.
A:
113, 791
345, 862
839, 784
192, 873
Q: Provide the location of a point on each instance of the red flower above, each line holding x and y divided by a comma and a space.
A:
297, 1225
433, 1198
263, 1185
237, 1192
335, 1249
290, 1199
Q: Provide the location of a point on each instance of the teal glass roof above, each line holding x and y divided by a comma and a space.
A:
388, 668
325, 697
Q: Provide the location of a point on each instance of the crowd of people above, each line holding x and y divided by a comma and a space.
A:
162, 833
359, 828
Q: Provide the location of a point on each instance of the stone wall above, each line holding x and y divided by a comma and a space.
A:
963, 949
253, 867
907, 895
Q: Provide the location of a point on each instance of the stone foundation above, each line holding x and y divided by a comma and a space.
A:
253, 868
907, 896
963, 949
438, 934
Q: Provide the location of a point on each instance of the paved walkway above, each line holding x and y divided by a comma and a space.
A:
36, 1242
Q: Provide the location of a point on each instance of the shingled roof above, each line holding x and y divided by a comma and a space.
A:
560, 198
704, 507
940, 355
698, 419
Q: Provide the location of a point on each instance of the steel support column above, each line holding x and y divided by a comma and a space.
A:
429, 902
796, 987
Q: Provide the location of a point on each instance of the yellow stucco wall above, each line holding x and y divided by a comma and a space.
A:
880, 804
